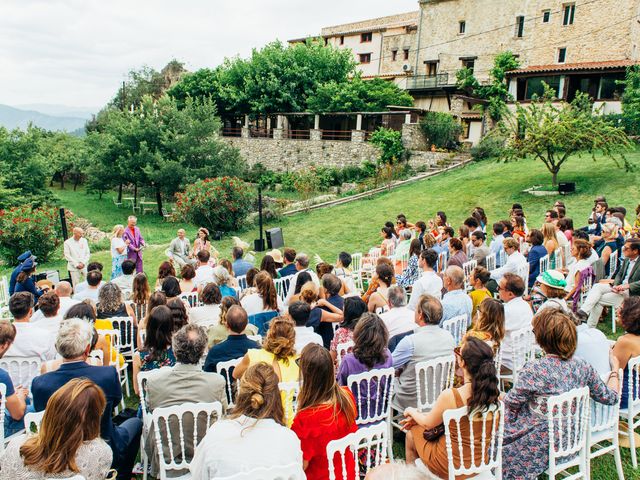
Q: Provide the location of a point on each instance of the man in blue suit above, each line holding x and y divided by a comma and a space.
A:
74, 344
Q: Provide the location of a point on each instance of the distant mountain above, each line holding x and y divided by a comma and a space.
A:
11, 118
60, 110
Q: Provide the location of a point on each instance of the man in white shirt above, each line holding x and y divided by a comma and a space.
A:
31, 340
515, 259
84, 285
204, 271
429, 283
302, 265
125, 281
77, 254
94, 278
455, 302
299, 312
49, 305
63, 290
593, 347
399, 318
517, 313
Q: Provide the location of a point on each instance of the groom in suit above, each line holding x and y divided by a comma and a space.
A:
180, 250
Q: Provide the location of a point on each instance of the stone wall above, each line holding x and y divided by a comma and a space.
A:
413, 138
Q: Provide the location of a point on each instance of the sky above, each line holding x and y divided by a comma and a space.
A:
77, 52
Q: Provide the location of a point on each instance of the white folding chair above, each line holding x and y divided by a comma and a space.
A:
242, 282
544, 264
559, 259
22, 370
568, 421
289, 392
443, 261
33, 419
457, 327
282, 287
356, 262
372, 440
468, 268
255, 338
604, 427
632, 411
170, 459
4, 292
432, 378
502, 256
490, 261
226, 370
523, 349
523, 272
113, 336
3, 403
125, 325
373, 391
566, 253
342, 349
191, 299
293, 471
613, 264
98, 355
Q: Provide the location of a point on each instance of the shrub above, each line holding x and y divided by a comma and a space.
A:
389, 142
24, 228
489, 147
216, 203
441, 129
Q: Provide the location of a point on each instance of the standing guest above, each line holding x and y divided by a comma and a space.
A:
93, 266
94, 279
204, 271
479, 279
165, 270
628, 345
218, 333
24, 280
16, 271
77, 254
399, 318
111, 303
457, 257
326, 412
265, 299
354, 308
514, 259
236, 344
209, 312
536, 252
526, 429
15, 397
256, 426
369, 352
456, 301
480, 249
488, 323
479, 393
202, 243
180, 249
49, 304
118, 251
429, 282
289, 263
63, 291
187, 284
156, 351
496, 243
517, 314
412, 272
224, 281
68, 441
240, 266
268, 265
428, 342
299, 312
125, 280
178, 312
136, 242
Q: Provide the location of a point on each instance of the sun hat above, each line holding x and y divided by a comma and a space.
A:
552, 278
276, 255
27, 265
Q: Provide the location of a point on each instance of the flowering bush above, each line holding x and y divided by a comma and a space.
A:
25, 228
216, 203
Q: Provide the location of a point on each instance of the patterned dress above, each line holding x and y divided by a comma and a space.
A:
526, 439
410, 274
165, 360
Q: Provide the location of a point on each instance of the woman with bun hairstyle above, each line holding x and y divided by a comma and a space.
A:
253, 436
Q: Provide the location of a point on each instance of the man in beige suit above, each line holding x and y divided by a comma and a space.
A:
77, 254
184, 383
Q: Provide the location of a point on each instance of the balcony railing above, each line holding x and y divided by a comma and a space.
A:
419, 82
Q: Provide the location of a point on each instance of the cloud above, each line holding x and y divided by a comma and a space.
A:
76, 52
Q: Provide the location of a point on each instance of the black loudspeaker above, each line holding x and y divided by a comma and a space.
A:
258, 245
567, 187
274, 238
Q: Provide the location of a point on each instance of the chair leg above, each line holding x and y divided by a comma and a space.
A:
613, 319
618, 460
390, 440
632, 439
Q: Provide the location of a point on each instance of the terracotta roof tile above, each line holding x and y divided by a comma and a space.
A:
564, 67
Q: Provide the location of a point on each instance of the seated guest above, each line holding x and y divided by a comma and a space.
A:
165, 270
369, 352
480, 249
250, 281
536, 252
224, 280
517, 314
326, 412
552, 285
388, 241
519, 227
608, 245
209, 312
323, 312
353, 309
479, 279
125, 281
488, 324
239, 265
289, 263
92, 266
49, 304
185, 382
429, 282
479, 393
156, 349
300, 312
593, 347
404, 244
233, 281
302, 265
68, 441
593, 255
155, 299
180, 249
187, 283
444, 238
525, 429
204, 271
74, 344
178, 313
94, 282
15, 402
457, 255
266, 297
276, 254
374, 282
236, 345
580, 250
456, 301
140, 294
257, 425
111, 303
86, 312
398, 318
63, 291
296, 288
171, 288
268, 265
628, 345
343, 272
219, 332
496, 245
514, 259
413, 271
428, 342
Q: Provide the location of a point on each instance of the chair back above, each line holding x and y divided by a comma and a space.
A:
373, 391
3, 403
113, 337
432, 378
523, 349
33, 420
490, 261
457, 327
4, 292
523, 272
483, 452
139, 310
544, 264
191, 299
559, 258
368, 444
282, 287
175, 454
242, 282
255, 338
633, 385
226, 370
356, 262
22, 370
292, 471
342, 349
443, 261
125, 325
289, 392
613, 264
502, 257
143, 378
468, 268
585, 282
567, 421
262, 320
604, 417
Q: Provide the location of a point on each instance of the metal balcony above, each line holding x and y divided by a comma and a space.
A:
425, 82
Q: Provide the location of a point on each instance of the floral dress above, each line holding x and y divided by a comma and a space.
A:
116, 257
526, 438
410, 274
167, 359
342, 335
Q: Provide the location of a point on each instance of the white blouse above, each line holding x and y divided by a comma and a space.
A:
117, 242
253, 304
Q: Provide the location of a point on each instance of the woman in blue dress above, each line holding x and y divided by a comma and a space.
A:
118, 251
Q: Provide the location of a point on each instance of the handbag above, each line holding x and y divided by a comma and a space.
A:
433, 433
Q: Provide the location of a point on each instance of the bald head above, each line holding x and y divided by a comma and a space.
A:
78, 233
237, 319
63, 289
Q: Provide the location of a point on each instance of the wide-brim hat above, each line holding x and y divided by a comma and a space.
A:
28, 264
552, 278
276, 255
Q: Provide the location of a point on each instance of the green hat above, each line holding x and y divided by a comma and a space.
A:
552, 278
